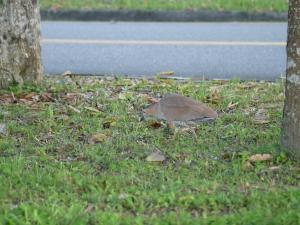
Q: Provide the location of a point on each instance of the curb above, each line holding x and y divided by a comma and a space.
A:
160, 16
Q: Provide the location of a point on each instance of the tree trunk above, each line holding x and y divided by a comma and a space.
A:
291, 116
20, 51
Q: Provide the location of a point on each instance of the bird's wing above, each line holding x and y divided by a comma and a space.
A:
184, 108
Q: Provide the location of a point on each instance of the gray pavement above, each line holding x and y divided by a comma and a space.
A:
210, 50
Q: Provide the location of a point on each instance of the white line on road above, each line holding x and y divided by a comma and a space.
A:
154, 42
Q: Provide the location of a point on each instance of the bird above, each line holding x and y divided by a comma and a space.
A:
178, 108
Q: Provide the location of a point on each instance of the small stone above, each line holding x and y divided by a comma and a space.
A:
3, 128
156, 157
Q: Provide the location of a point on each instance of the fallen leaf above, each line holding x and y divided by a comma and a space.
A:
98, 138
46, 97
92, 109
189, 130
100, 107
248, 85
249, 110
24, 101
248, 166
6, 99
13, 97
90, 207
74, 109
274, 168
156, 157
69, 97
232, 105
110, 122
122, 96
260, 158
31, 96
261, 117
149, 99
155, 124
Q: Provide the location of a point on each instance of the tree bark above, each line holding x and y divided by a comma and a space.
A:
20, 51
291, 116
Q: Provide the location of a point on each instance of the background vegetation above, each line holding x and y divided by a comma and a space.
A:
244, 5
74, 151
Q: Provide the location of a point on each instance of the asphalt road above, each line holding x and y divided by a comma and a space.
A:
210, 50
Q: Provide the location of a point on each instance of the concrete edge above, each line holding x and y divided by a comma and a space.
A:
160, 16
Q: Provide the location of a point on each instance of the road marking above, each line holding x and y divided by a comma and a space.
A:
154, 42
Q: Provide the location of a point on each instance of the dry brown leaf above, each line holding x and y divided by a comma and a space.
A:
92, 109
98, 138
13, 97
110, 122
232, 105
25, 101
156, 157
74, 109
6, 99
248, 85
260, 158
155, 124
261, 122
90, 207
46, 97
249, 110
70, 96
31, 96
149, 99
274, 168
189, 130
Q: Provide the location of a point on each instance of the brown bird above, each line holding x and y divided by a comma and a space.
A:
177, 108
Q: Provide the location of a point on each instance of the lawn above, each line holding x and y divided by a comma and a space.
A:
74, 151
236, 5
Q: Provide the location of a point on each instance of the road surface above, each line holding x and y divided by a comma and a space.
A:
210, 50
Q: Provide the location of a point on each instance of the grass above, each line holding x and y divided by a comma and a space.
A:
51, 173
235, 5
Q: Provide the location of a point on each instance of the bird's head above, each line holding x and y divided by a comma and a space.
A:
150, 111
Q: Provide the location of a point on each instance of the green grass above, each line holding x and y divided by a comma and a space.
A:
51, 174
236, 5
